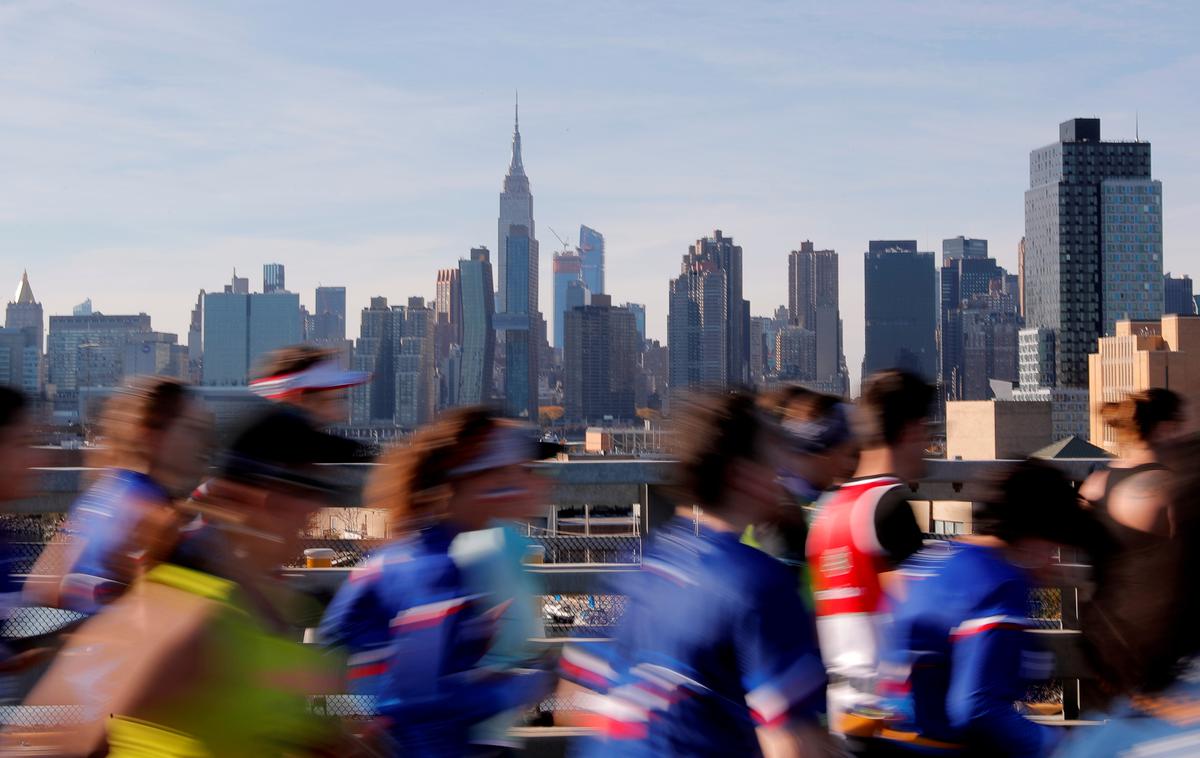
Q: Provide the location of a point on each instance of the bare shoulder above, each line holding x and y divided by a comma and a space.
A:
1141, 501
1092, 488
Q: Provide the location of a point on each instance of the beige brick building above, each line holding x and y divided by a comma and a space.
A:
996, 429
1142, 355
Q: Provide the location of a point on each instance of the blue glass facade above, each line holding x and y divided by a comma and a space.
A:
591, 255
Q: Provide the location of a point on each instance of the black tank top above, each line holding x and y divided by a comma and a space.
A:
1126, 537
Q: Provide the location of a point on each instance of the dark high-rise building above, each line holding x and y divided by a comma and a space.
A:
273, 279
600, 361
708, 324
1093, 241
516, 209
813, 305
639, 313
716, 254
796, 354
901, 309
519, 325
414, 361
479, 337
591, 255
24, 317
329, 315
979, 321
960, 247
567, 268
1177, 295
698, 327
375, 401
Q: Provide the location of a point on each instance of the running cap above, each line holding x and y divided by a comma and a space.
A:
816, 436
326, 375
507, 446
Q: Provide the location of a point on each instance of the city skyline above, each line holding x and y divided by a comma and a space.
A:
385, 180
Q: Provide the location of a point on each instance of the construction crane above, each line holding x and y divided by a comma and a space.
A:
566, 245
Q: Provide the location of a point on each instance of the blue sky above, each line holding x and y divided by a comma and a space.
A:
149, 148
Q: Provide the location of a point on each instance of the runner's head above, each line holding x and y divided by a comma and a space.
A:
308, 378
469, 467
820, 445
17, 455
1150, 417
153, 425
1033, 508
729, 453
893, 414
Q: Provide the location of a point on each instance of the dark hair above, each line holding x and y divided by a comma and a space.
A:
796, 402
144, 404
289, 360
1032, 499
412, 480
891, 400
714, 431
12, 406
1139, 414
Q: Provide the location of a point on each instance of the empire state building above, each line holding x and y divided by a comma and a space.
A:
516, 209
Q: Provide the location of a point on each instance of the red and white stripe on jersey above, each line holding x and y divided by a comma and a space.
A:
429, 614
974, 626
586, 668
614, 717
368, 663
771, 701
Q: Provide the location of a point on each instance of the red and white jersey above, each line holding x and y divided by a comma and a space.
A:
863, 529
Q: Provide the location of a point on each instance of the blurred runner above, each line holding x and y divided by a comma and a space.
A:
818, 452
1158, 712
864, 530
715, 654
17, 457
1132, 503
208, 663
154, 444
958, 655
309, 382
423, 625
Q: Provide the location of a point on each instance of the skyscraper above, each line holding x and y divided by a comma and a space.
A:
979, 321
716, 324
241, 328
591, 254
273, 280
518, 323
698, 326
1093, 241
600, 361
1177, 295
639, 313
375, 401
448, 301
24, 316
479, 338
195, 341
566, 269
329, 315
88, 351
412, 350
516, 209
901, 309
813, 305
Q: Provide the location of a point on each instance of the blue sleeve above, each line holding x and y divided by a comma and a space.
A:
776, 643
985, 680
410, 643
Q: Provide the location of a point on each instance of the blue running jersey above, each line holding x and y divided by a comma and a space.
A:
959, 655
416, 637
102, 523
715, 642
